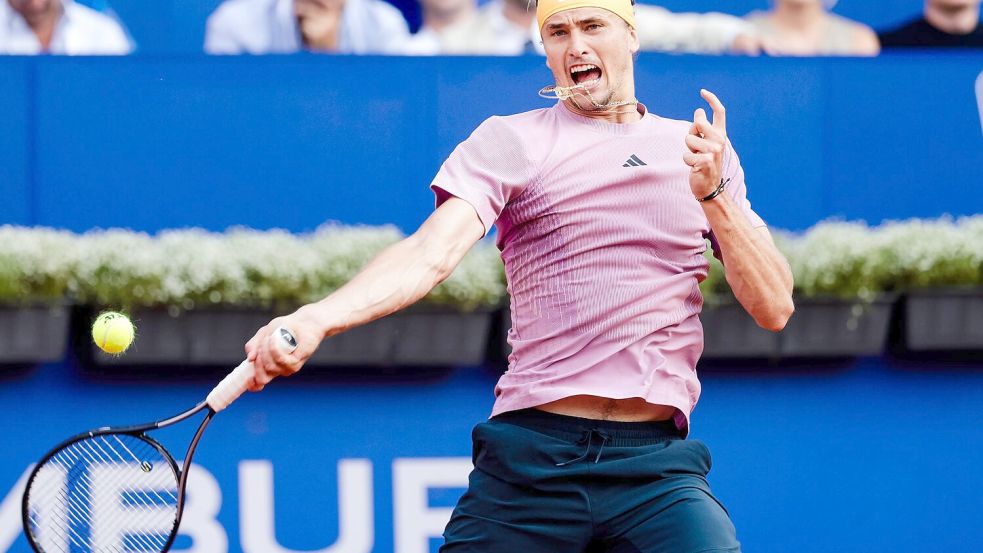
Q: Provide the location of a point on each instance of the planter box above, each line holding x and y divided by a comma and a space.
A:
944, 319
833, 327
433, 336
33, 334
209, 337
730, 333
216, 337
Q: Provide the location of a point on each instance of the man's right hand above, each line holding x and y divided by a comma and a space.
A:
269, 360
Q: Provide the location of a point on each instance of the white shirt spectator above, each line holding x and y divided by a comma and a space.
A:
424, 42
80, 31
661, 30
490, 33
270, 27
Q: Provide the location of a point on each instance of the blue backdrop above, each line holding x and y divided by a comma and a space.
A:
868, 456
150, 143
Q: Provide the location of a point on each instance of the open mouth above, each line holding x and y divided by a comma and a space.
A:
585, 74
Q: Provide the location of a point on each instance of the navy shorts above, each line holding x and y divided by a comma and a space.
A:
546, 483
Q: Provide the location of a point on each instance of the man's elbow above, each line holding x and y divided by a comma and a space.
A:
777, 314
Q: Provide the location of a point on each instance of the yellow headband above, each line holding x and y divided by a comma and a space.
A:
621, 8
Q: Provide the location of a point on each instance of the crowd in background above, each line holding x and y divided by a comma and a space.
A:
495, 27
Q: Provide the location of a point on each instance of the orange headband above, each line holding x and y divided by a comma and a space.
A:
621, 8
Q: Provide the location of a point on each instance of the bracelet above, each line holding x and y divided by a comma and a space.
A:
715, 193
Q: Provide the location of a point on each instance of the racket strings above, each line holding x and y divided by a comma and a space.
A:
112, 493
77, 508
108, 457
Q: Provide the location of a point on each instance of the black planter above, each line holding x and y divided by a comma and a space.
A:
33, 334
730, 333
197, 337
832, 327
944, 320
419, 336
433, 336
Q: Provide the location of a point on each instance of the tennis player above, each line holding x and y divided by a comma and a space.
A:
603, 210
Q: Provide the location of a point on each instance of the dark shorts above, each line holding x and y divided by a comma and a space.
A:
545, 483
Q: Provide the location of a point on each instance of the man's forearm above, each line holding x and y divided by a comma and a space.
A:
396, 278
755, 269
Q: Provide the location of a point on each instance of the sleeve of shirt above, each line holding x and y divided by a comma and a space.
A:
487, 170
737, 188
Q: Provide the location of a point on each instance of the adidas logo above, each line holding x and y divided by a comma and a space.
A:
633, 161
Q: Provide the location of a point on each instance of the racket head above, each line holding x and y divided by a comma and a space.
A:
103, 492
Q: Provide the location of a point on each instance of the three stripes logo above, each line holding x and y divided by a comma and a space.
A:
633, 161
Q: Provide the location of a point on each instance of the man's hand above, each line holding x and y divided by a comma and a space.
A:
706, 142
319, 22
267, 357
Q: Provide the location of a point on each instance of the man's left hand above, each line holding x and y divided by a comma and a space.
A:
706, 142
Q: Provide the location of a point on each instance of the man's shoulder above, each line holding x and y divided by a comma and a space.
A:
521, 121
666, 125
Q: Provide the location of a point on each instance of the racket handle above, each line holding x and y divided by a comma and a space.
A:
237, 381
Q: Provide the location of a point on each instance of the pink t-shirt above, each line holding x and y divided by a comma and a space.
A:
603, 246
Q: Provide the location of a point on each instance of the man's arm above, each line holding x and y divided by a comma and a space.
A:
756, 271
396, 278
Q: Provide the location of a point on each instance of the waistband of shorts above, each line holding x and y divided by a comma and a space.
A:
574, 428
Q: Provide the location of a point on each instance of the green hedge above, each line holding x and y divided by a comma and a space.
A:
852, 260
194, 268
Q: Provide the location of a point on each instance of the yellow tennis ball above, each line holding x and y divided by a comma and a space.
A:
113, 332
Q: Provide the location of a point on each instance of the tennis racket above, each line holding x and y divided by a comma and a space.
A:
116, 489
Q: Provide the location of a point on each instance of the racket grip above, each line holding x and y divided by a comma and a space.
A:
237, 381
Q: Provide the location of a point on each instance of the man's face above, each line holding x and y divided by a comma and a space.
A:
28, 8
592, 47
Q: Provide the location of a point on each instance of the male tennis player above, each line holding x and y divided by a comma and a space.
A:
602, 211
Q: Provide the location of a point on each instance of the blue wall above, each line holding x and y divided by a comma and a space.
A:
150, 143
859, 458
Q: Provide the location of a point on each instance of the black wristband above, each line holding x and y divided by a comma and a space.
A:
715, 193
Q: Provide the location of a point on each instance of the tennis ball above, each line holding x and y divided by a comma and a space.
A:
112, 332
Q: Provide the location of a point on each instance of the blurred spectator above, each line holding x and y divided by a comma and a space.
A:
807, 28
59, 27
500, 28
287, 26
695, 33
438, 15
508, 27
945, 24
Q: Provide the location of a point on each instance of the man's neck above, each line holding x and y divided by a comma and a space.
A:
619, 114
799, 16
955, 20
518, 15
43, 23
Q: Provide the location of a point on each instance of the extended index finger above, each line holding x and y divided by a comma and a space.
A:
719, 113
